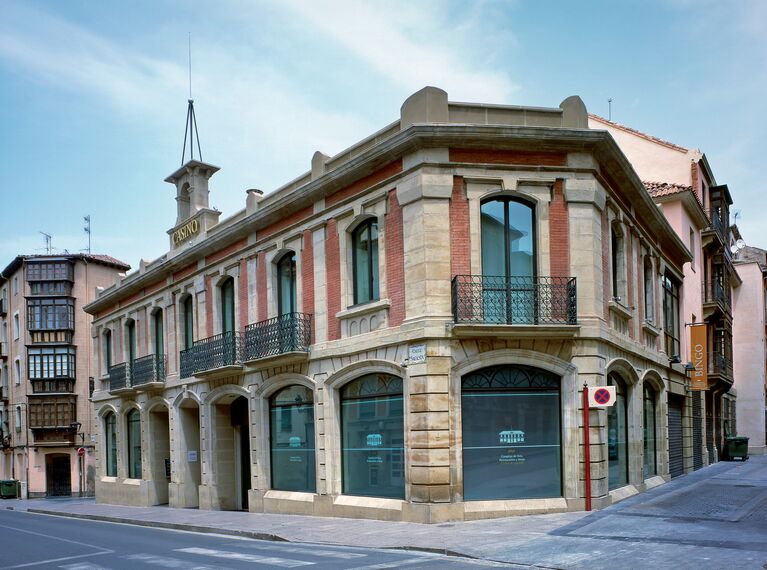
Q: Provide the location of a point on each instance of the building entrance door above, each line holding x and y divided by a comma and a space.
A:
58, 475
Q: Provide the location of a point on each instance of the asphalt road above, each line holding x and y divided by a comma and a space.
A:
39, 541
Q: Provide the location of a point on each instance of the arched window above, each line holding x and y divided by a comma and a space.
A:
617, 435
617, 266
188, 322
286, 284
650, 462
130, 336
291, 434
365, 262
511, 433
107, 350
373, 437
508, 260
134, 444
159, 342
110, 429
227, 305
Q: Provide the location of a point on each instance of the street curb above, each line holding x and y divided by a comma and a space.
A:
240, 533
159, 524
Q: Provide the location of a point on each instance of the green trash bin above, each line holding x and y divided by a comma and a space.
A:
735, 446
9, 489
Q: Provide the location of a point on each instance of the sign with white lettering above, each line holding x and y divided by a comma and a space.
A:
699, 356
191, 456
416, 353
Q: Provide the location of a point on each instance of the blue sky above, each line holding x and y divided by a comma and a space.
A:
93, 94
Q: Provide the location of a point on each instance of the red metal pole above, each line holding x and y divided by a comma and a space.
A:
586, 445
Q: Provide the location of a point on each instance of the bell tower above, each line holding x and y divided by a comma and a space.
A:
193, 213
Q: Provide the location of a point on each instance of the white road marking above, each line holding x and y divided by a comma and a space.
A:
167, 562
242, 556
306, 550
83, 566
52, 560
396, 564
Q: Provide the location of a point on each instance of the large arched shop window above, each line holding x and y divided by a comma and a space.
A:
373, 437
617, 435
511, 433
650, 452
291, 434
365, 262
110, 425
508, 260
134, 444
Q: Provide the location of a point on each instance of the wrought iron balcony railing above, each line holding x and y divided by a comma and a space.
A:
148, 369
719, 222
186, 364
291, 332
217, 351
119, 377
716, 291
721, 365
484, 299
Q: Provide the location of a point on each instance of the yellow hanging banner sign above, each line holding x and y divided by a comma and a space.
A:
699, 356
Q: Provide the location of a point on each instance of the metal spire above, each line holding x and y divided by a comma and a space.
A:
190, 128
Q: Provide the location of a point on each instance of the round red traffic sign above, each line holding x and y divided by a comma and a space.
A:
80, 452
601, 396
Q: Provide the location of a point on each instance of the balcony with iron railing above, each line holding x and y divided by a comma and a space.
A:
716, 297
720, 369
119, 377
719, 223
534, 306
286, 334
147, 371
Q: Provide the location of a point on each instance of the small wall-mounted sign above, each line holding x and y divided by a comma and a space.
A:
601, 397
191, 456
416, 353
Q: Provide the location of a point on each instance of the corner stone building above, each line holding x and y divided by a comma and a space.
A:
403, 332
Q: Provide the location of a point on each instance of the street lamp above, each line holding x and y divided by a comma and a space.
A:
75, 427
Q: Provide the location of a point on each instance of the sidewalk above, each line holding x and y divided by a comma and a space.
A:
713, 518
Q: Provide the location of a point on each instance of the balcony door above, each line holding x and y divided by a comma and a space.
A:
130, 329
508, 261
286, 301
229, 341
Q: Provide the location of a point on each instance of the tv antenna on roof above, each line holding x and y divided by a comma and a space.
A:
87, 230
610, 109
190, 129
48, 245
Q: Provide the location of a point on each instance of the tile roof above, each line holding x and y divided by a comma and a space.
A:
657, 189
638, 133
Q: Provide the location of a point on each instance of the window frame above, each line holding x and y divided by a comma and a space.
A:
110, 451
532, 206
671, 324
311, 449
287, 261
188, 321
131, 418
226, 291
373, 273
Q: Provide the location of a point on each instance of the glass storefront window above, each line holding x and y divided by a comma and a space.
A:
111, 444
650, 465
511, 433
617, 436
373, 437
291, 434
134, 444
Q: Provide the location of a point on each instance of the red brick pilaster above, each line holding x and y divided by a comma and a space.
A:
460, 241
242, 285
307, 274
261, 286
395, 261
559, 232
333, 272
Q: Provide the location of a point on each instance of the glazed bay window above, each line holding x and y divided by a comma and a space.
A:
110, 425
50, 314
291, 435
51, 363
50, 271
373, 437
511, 433
671, 314
365, 262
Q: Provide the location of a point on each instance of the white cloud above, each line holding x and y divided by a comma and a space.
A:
411, 44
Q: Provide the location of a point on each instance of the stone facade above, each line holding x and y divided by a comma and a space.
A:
204, 428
